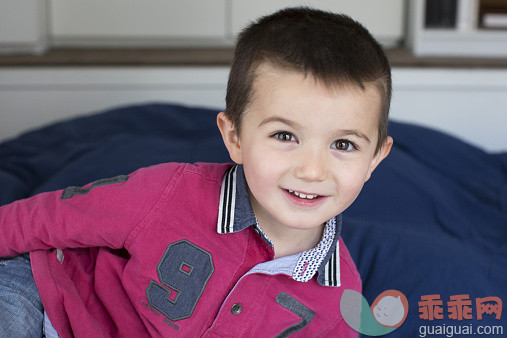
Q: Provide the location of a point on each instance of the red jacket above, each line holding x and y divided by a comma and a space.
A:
140, 255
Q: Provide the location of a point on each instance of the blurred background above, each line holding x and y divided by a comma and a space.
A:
65, 58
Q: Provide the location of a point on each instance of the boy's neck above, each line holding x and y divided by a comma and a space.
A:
288, 242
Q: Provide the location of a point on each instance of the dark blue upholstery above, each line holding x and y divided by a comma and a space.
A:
432, 220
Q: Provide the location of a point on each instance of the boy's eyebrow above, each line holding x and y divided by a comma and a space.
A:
294, 124
270, 119
356, 133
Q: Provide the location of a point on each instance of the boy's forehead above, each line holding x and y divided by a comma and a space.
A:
269, 78
269, 73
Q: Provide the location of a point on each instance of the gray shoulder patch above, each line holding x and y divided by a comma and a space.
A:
71, 191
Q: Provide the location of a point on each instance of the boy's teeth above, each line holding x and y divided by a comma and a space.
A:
301, 195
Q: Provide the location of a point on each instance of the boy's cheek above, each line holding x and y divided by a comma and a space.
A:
352, 180
262, 157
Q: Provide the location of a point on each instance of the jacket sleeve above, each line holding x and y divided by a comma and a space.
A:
102, 213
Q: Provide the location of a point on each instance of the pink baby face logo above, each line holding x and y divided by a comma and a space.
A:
390, 308
386, 314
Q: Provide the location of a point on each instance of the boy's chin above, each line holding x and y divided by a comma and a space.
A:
305, 226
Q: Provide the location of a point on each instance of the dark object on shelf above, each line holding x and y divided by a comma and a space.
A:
493, 14
441, 13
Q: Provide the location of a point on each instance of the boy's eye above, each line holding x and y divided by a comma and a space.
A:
284, 136
344, 145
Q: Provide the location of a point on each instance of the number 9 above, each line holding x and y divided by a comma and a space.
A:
184, 271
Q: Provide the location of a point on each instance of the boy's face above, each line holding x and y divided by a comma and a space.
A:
306, 149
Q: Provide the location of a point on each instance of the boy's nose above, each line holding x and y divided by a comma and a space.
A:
311, 166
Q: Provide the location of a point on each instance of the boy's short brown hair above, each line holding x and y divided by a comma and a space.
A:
333, 48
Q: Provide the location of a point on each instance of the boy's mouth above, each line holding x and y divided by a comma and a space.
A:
302, 195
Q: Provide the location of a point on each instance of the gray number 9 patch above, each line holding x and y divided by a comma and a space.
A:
184, 271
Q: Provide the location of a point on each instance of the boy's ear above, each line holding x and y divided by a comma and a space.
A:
230, 137
382, 153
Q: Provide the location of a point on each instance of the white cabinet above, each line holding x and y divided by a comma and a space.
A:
33, 25
384, 19
139, 23
197, 22
23, 26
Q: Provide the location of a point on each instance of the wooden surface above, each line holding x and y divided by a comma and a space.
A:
399, 57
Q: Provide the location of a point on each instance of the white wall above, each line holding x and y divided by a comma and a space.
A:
469, 104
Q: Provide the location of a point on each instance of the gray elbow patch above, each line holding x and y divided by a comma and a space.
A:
294, 306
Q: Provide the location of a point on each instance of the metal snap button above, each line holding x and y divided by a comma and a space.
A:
236, 309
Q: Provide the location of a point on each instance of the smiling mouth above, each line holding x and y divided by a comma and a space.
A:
302, 195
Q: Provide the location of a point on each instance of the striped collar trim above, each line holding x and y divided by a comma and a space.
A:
329, 270
227, 205
235, 213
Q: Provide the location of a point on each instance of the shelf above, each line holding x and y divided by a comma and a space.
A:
399, 57
465, 39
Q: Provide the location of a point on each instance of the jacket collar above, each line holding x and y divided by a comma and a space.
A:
236, 214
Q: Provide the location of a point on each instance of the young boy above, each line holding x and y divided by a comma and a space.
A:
251, 249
